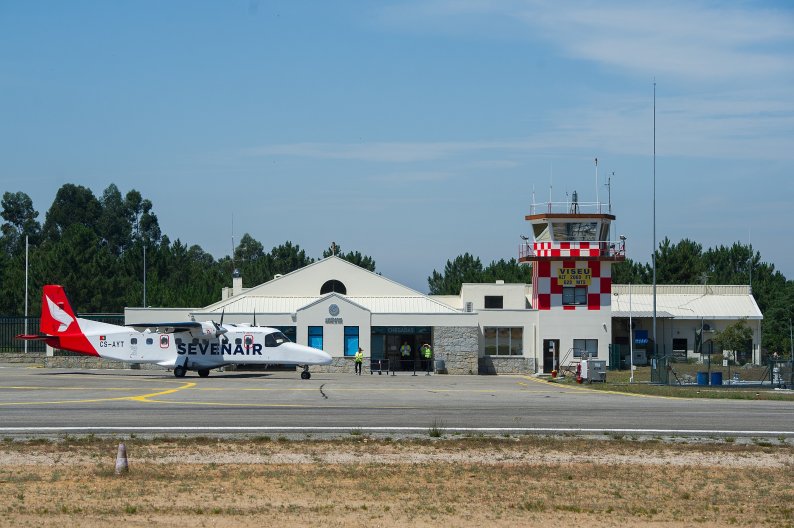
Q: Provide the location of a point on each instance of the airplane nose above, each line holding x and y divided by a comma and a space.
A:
323, 358
304, 354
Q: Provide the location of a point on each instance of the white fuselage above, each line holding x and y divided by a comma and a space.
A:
238, 345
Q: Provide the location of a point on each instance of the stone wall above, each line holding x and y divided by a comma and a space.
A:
341, 365
458, 347
90, 362
506, 365
31, 358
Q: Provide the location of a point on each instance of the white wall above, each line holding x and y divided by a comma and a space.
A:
575, 324
333, 334
513, 295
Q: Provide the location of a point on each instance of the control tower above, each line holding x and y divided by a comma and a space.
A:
571, 257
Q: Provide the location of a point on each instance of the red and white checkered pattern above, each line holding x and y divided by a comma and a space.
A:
567, 249
547, 292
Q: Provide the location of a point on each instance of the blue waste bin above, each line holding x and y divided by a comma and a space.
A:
703, 378
716, 378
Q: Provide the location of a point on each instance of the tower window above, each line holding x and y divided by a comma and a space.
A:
574, 295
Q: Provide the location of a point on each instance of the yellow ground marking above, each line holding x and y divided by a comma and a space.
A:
141, 397
585, 389
146, 397
34, 387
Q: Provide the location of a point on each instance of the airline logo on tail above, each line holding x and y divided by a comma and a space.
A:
57, 313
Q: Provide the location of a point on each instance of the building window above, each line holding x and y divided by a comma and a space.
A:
503, 341
585, 348
316, 337
680, 348
333, 285
351, 340
574, 295
494, 301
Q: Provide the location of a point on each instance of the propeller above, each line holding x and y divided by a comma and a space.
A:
219, 328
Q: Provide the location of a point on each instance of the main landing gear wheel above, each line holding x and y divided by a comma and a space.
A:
203, 373
180, 372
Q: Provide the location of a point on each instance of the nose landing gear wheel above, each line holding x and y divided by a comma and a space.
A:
203, 373
180, 372
306, 374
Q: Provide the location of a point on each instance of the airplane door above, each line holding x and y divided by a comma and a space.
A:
134, 346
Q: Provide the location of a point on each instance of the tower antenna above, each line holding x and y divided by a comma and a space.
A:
598, 203
533, 199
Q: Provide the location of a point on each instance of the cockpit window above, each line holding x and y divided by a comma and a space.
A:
275, 339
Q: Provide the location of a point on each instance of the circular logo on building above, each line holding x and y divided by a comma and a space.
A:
333, 310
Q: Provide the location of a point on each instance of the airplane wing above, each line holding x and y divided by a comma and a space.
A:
185, 326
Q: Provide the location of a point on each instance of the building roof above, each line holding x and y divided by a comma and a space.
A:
418, 304
685, 301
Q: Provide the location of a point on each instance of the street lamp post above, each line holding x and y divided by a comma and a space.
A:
631, 340
26, 292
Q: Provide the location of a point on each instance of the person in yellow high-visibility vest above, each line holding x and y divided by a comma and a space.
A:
427, 352
359, 360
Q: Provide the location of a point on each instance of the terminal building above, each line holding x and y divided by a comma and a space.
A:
571, 310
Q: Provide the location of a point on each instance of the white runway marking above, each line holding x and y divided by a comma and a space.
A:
301, 429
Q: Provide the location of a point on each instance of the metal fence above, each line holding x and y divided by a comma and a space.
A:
12, 326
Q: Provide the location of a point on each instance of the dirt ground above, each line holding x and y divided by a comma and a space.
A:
362, 481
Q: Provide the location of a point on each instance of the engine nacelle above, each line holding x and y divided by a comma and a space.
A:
207, 330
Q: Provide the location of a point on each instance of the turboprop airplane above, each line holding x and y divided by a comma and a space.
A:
181, 346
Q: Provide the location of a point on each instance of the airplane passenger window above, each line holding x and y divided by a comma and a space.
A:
134, 341
178, 340
238, 341
194, 341
149, 340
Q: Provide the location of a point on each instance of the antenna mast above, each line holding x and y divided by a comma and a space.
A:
654, 218
598, 203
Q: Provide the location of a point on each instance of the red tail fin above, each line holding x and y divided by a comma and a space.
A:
57, 316
59, 321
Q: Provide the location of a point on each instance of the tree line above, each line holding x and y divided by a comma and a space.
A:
94, 247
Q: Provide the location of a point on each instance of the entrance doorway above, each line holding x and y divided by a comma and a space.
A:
551, 354
390, 342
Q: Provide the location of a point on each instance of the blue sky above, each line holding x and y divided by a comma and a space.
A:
412, 131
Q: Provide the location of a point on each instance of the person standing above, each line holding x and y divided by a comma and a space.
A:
405, 352
427, 352
359, 360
